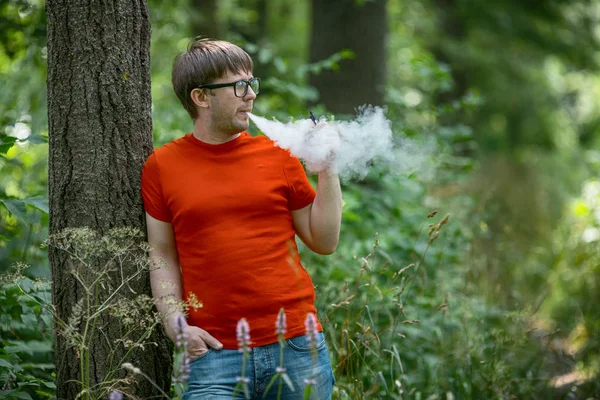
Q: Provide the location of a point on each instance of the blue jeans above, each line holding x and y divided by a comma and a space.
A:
213, 375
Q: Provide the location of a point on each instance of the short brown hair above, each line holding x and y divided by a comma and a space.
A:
205, 61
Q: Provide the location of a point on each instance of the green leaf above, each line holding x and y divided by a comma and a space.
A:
29, 319
307, 391
39, 202
11, 394
47, 318
4, 148
37, 139
280, 65
32, 383
8, 139
271, 382
5, 364
27, 285
30, 347
22, 395
42, 393
288, 381
384, 383
6, 142
17, 208
36, 366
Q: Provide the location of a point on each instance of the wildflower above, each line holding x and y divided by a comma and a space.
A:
129, 367
444, 220
280, 370
243, 338
193, 302
435, 236
181, 339
281, 324
115, 395
181, 342
243, 335
310, 323
432, 228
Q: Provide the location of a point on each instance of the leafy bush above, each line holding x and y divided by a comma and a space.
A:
26, 367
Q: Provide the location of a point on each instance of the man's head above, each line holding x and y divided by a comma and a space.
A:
205, 62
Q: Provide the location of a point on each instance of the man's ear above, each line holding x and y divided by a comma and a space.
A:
199, 98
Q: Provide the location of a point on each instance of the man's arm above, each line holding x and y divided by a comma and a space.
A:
165, 279
318, 224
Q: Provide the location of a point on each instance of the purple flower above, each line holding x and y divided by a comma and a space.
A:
181, 335
183, 371
310, 323
280, 370
115, 395
243, 335
280, 324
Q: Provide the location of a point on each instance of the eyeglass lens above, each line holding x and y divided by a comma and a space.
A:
241, 87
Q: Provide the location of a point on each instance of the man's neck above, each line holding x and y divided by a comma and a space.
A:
206, 135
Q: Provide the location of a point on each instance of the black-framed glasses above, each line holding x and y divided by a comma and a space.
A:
240, 88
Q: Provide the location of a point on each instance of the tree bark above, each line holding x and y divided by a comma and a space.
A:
360, 26
100, 134
453, 30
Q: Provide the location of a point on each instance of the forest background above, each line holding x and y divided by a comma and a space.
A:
502, 300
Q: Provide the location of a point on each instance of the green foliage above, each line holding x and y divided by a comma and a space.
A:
26, 368
506, 91
98, 264
574, 292
23, 134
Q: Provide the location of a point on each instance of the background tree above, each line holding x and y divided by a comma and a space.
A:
361, 27
99, 132
205, 19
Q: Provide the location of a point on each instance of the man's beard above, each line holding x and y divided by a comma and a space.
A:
228, 124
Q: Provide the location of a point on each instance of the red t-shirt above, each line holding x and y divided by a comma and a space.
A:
229, 205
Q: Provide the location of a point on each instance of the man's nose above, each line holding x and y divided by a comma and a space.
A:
250, 95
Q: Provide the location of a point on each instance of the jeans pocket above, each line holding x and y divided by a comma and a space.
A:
201, 356
302, 343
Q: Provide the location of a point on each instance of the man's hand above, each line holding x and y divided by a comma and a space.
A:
323, 145
199, 341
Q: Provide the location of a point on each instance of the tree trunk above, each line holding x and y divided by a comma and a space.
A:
100, 134
362, 28
453, 30
205, 22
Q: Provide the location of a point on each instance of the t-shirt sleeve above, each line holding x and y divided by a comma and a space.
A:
154, 200
301, 193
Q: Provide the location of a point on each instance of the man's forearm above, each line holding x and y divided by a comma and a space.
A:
326, 212
166, 289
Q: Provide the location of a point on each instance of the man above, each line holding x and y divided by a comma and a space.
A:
222, 210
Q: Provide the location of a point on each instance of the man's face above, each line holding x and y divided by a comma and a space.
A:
229, 114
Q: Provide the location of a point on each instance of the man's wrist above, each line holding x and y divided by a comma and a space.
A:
175, 324
328, 173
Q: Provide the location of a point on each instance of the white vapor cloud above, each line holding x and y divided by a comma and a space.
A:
349, 148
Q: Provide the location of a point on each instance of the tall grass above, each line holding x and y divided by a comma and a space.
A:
400, 330
396, 329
